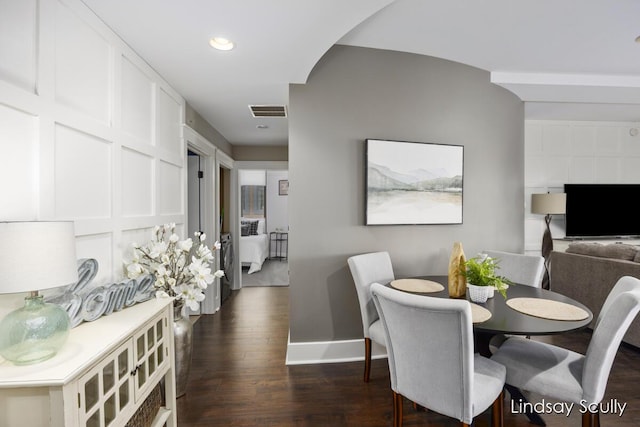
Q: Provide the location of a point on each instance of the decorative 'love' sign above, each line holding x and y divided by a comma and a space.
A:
83, 303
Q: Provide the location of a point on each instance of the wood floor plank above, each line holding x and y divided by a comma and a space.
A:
239, 378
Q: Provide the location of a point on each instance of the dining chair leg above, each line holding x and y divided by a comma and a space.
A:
591, 419
367, 359
397, 409
419, 408
497, 411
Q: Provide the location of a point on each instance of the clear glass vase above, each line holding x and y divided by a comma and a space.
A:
33, 333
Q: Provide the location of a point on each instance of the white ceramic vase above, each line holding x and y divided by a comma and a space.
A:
492, 291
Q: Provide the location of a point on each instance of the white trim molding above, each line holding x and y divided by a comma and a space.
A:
308, 353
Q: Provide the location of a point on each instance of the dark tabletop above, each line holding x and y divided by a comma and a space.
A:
505, 320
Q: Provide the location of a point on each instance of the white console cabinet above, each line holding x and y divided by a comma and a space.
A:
102, 375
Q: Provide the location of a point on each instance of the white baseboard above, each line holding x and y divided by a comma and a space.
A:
306, 353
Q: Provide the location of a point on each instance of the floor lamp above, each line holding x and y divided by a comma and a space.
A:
548, 204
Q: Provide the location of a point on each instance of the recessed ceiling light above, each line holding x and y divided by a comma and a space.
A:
638, 39
221, 43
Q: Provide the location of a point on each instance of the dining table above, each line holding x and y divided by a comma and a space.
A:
514, 315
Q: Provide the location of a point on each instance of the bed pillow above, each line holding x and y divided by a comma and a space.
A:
261, 227
245, 229
253, 228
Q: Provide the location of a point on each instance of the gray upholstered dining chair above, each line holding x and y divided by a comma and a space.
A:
519, 268
569, 376
431, 357
367, 269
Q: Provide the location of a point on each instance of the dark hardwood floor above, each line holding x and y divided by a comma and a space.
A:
239, 378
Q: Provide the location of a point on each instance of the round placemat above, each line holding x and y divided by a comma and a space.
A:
547, 309
417, 285
479, 314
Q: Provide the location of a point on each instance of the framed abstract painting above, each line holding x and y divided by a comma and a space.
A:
413, 183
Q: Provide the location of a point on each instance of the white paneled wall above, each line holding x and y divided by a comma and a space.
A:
82, 65
88, 131
570, 152
18, 20
83, 166
19, 157
137, 102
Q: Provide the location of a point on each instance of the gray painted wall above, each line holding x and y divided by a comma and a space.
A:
200, 125
359, 93
260, 153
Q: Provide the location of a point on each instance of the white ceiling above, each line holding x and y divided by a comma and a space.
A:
567, 59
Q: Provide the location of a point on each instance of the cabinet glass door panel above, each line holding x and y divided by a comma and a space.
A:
151, 338
91, 391
161, 351
94, 420
151, 350
140, 348
110, 409
123, 364
124, 395
152, 364
142, 375
105, 391
108, 377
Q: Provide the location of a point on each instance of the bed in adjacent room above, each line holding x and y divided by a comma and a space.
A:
254, 244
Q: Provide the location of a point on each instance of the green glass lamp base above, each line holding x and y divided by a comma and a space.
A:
33, 333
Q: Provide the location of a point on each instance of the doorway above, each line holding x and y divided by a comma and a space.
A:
227, 242
263, 247
195, 174
201, 211
195, 206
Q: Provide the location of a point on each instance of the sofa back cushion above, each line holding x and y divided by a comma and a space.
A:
612, 250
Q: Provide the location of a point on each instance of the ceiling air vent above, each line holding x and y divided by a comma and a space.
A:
268, 110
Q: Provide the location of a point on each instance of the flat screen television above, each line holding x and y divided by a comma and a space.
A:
602, 210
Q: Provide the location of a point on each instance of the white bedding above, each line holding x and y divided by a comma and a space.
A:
253, 251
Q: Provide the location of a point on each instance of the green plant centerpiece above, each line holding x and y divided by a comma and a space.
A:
481, 271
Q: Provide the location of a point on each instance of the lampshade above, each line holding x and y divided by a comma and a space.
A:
549, 203
34, 256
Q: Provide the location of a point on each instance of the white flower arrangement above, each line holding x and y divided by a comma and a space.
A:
181, 268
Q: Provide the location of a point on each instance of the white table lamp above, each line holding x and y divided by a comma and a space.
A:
33, 256
548, 204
